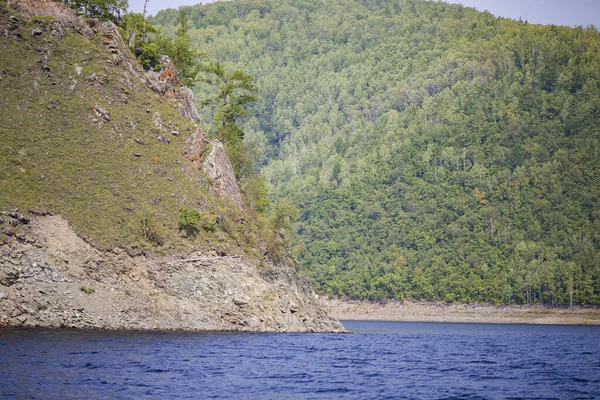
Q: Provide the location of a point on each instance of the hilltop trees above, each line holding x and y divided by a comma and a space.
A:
112, 10
463, 144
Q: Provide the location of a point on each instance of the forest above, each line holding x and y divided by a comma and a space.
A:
433, 152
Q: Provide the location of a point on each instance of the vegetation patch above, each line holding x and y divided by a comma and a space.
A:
87, 289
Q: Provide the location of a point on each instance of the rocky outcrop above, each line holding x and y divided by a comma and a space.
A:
219, 170
50, 277
63, 16
197, 143
166, 82
51, 8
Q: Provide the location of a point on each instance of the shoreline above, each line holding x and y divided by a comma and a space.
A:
406, 311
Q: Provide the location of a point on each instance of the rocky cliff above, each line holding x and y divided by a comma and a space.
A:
99, 156
50, 277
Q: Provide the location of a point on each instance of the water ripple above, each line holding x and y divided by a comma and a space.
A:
379, 361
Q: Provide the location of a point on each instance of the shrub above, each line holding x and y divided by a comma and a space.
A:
87, 290
149, 228
150, 56
188, 221
209, 222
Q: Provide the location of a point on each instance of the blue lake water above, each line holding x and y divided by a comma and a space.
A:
380, 360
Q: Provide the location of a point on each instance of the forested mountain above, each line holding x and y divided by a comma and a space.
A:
433, 151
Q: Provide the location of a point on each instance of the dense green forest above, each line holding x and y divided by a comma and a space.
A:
434, 152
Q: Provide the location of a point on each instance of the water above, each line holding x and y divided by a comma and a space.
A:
381, 360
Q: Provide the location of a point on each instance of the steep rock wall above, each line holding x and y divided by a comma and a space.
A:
219, 170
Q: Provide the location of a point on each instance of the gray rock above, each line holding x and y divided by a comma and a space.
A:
219, 169
26, 308
2, 295
163, 139
101, 113
293, 307
239, 301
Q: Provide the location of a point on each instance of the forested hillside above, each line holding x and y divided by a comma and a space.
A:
433, 151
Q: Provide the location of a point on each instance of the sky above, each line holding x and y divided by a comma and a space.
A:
558, 12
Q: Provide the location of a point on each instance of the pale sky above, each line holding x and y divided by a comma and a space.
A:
558, 12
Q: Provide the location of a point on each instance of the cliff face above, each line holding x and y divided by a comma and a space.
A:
99, 154
219, 170
50, 277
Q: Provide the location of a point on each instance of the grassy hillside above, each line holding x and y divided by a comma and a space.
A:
435, 152
79, 138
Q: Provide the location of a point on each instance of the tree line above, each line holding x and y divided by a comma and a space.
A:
433, 152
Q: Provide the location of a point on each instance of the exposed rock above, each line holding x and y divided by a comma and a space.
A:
158, 122
30, 8
165, 79
101, 113
219, 170
111, 39
9, 275
293, 307
15, 218
166, 82
67, 283
239, 301
197, 143
186, 105
163, 139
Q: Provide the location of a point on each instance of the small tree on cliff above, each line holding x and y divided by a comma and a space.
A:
134, 28
235, 89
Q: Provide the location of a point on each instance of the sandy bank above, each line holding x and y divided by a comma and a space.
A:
474, 313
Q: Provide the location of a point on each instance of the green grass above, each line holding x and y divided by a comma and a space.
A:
54, 158
87, 290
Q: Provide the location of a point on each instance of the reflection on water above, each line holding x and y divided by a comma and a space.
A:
380, 360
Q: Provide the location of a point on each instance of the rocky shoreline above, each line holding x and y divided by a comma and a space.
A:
461, 313
50, 277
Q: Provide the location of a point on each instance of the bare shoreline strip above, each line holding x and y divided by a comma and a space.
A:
462, 313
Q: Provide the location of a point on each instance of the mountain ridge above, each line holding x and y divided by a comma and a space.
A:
434, 152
